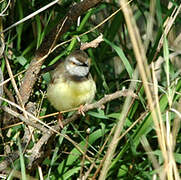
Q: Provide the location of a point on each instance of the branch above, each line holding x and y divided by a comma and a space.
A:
48, 133
92, 44
100, 103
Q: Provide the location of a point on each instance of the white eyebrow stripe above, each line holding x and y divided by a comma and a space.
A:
73, 59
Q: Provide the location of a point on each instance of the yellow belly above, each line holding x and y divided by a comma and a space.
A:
65, 95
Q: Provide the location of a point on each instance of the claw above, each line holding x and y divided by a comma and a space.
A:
60, 118
81, 110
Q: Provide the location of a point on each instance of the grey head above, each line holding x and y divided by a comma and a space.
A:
77, 64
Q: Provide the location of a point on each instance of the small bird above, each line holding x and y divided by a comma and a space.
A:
71, 83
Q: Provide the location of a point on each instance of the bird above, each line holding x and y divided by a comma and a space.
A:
71, 84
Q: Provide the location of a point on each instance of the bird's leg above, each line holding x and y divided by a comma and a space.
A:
60, 118
81, 110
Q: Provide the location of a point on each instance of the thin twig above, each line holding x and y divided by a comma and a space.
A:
47, 133
92, 44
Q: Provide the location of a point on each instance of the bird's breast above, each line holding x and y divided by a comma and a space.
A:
68, 94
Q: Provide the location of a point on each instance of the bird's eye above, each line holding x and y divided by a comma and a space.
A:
73, 63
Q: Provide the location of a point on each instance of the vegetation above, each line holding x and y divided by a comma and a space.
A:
134, 136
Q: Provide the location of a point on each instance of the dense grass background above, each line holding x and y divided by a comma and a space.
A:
138, 138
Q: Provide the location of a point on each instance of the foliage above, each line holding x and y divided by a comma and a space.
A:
113, 65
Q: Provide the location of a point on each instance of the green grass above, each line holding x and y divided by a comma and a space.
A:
125, 127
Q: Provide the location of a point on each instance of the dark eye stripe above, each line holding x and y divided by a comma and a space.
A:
73, 60
83, 64
80, 64
77, 62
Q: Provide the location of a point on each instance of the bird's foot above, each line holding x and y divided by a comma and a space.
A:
60, 118
81, 110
